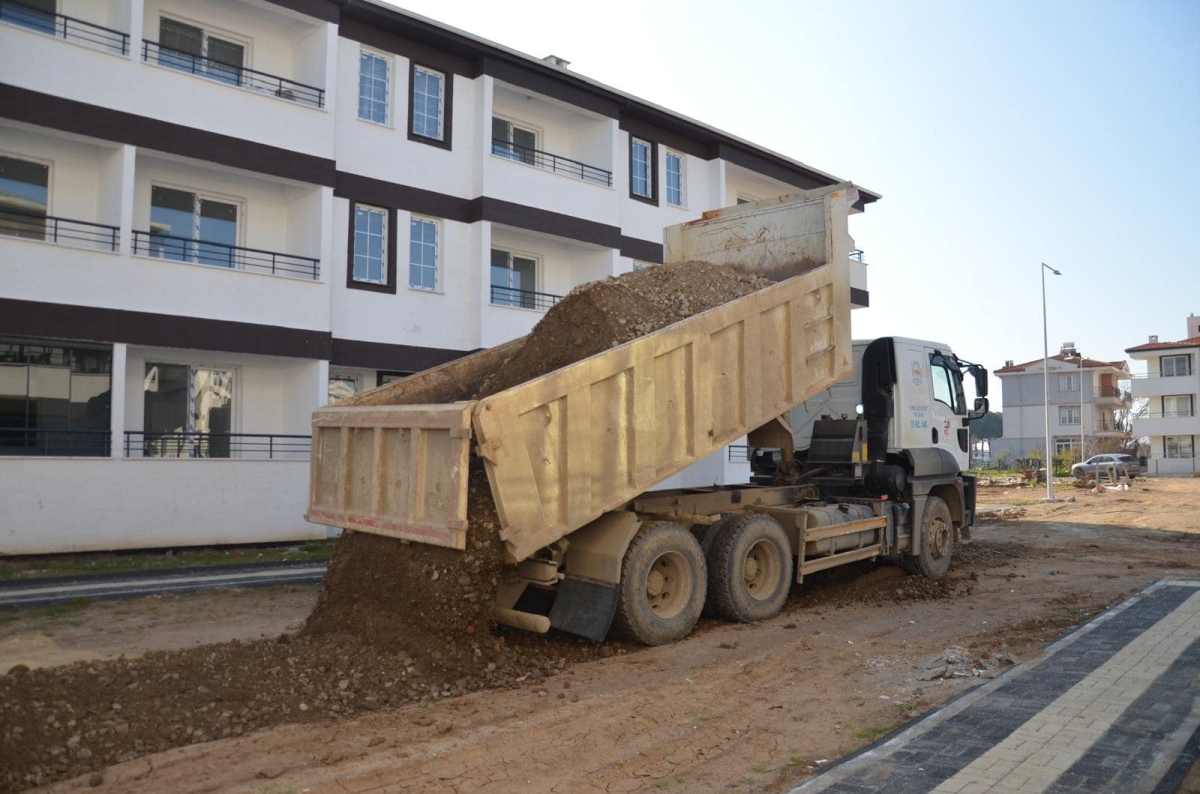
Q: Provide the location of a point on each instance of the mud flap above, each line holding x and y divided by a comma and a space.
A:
584, 607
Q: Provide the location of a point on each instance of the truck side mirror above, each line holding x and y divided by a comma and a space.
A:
981, 408
981, 385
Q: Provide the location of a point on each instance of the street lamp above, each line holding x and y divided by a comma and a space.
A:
1046, 386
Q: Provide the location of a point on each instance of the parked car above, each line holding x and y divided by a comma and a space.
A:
1102, 463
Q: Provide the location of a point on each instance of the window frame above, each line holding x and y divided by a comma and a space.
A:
682, 160
1069, 377
1068, 408
512, 155
1188, 399
49, 164
389, 104
437, 252
537, 276
352, 378
198, 195
652, 170
1162, 365
235, 404
447, 105
1180, 439
389, 253
206, 31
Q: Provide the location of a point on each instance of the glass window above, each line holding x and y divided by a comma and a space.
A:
341, 387
514, 280
225, 60
54, 399
1178, 446
188, 411
370, 244
513, 142
639, 168
373, 91
947, 386
1177, 405
427, 93
674, 179
24, 198
423, 253
1068, 415
383, 377
1062, 445
189, 49
187, 227
33, 14
1174, 366
1068, 383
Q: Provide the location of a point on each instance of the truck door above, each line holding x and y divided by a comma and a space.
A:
948, 407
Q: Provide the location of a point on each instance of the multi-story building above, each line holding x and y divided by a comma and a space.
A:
1089, 405
215, 215
1171, 388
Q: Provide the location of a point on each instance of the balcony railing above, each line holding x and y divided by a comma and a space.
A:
253, 446
233, 74
1184, 414
1144, 375
551, 162
857, 255
234, 257
63, 27
39, 442
523, 299
1110, 426
62, 231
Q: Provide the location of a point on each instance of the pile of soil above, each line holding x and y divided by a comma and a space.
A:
595, 317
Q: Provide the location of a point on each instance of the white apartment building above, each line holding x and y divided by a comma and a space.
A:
1171, 388
1089, 404
217, 215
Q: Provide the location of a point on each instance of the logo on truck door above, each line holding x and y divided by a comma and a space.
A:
917, 377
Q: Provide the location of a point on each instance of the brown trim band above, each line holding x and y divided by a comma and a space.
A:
860, 297
396, 358
549, 85
670, 139
324, 10
642, 250
390, 194
81, 118
91, 323
379, 33
533, 219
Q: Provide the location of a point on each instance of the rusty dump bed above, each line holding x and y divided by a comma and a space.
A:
564, 448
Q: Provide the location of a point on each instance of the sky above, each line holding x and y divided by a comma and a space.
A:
1001, 135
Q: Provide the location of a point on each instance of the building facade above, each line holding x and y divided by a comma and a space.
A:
1170, 388
1089, 405
217, 215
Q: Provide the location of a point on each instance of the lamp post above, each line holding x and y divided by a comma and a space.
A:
1081, 425
1046, 386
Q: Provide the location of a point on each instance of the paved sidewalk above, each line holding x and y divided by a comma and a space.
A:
1112, 707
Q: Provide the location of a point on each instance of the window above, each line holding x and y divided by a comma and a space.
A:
370, 244
33, 14
514, 280
191, 49
641, 169
429, 100
1175, 405
423, 254
24, 198
513, 142
1179, 446
674, 179
384, 377
947, 387
341, 387
1175, 366
1069, 415
188, 227
373, 87
1068, 383
1064, 445
55, 398
188, 411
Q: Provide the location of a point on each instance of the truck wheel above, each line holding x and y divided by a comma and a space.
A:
663, 582
749, 569
932, 560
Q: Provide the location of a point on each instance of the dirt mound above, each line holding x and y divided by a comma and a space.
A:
603, 314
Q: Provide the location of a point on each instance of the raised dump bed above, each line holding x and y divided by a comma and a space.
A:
567, 447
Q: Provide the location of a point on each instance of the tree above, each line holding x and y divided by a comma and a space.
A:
990, 425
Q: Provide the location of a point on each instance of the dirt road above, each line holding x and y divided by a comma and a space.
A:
856, 652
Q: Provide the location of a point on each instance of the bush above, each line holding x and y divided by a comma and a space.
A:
1003, 458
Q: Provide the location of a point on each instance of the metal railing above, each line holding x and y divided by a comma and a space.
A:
63, 27
857, 255
1110, 426
234, 257
233, 74
739, 453
251, 446
523, 299
1144, 375
551, 162
40, 442
62, 231
1168, 414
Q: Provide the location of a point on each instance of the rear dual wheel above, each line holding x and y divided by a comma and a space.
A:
663, 582
750, 568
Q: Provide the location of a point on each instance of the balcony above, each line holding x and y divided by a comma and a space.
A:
216, 254
40, 442
1110, 425
523, 299
1112, 394
1167, 423
857, 255
233, 74
59, 231
242, 446
67, 28
551, 162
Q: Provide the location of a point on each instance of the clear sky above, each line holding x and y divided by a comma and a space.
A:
1001, 135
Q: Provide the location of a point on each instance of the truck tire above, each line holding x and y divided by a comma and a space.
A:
932, 560
707, 538
663, 582
750, 568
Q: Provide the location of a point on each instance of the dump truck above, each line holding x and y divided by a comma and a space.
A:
572, 458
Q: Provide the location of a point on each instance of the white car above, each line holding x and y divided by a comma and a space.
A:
1103, 463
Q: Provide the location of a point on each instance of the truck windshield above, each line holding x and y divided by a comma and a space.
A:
947, 384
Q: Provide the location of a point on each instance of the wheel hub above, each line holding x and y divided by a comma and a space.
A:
939, 538
668, 584
762, 569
